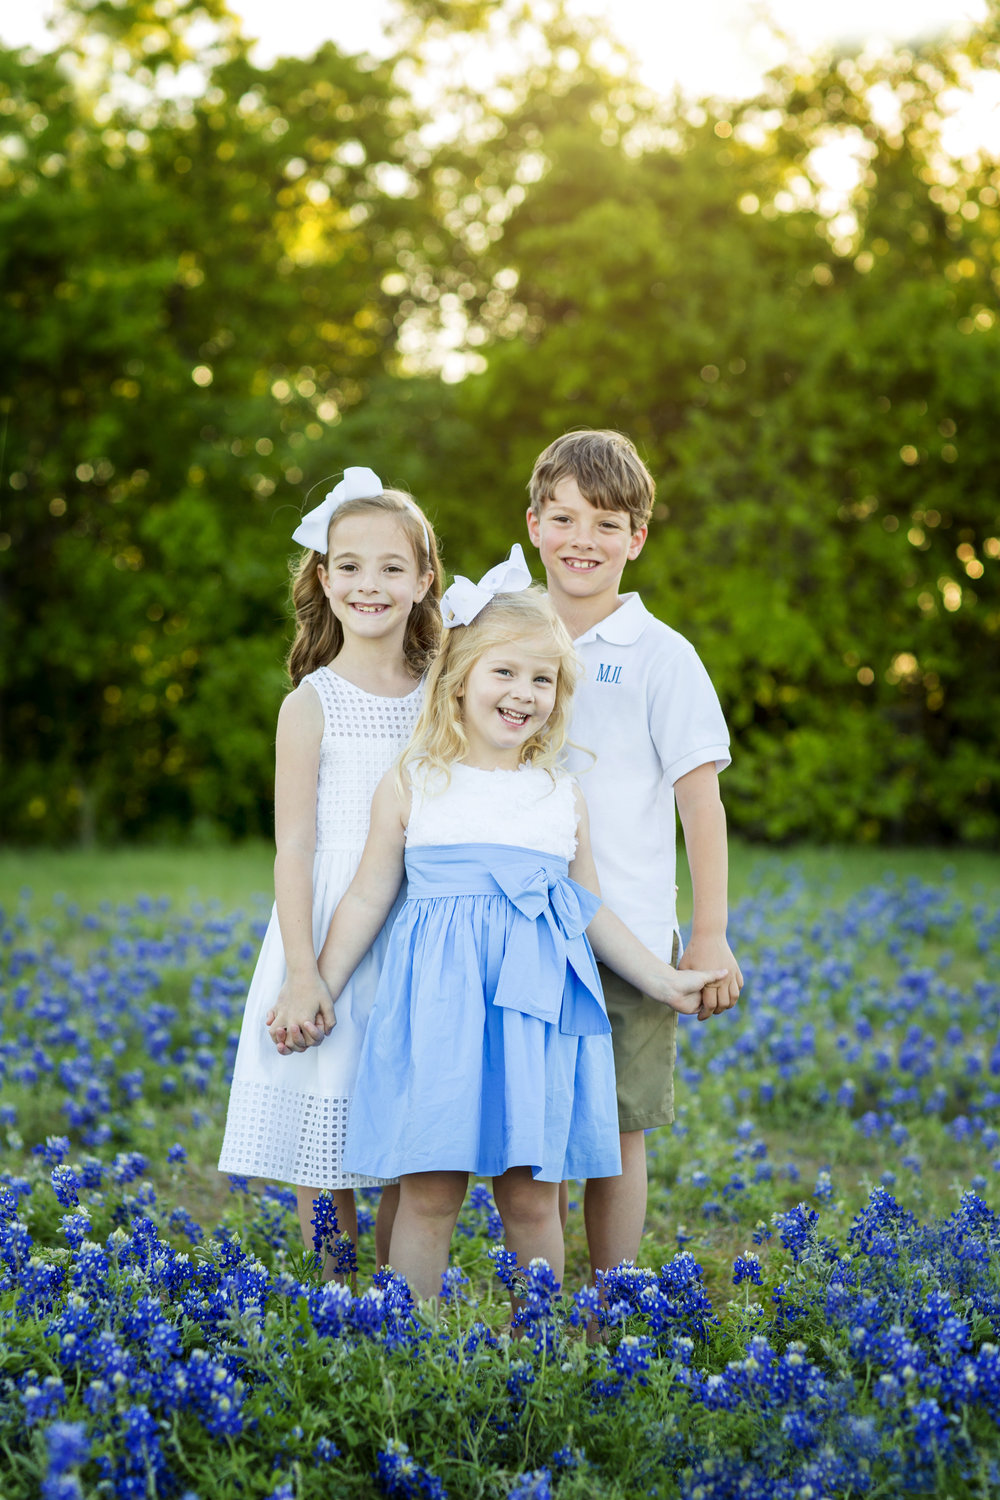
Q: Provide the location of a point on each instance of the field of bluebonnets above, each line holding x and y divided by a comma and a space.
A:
817, 1312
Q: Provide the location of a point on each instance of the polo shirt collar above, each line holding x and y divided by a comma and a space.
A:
622, 627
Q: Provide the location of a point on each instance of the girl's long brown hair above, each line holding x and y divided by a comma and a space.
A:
318, 632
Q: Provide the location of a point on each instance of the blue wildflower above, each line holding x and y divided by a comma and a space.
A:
747, 1268
534, 1486
400, 1477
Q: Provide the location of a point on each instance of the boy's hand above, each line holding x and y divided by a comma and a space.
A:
683, 991
714, 953
302, 1016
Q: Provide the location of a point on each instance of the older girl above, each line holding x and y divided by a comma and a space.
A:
366, 596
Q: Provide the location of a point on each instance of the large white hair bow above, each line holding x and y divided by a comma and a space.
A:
314, 528
461, 603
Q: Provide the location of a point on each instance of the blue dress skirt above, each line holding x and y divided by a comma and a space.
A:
488, 1045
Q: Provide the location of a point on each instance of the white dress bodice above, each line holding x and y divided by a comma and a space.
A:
362, 736
528, 808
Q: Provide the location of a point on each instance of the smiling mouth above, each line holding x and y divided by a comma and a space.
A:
581, 564
370, 609
513, 718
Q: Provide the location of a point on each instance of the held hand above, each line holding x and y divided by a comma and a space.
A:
714, 953
683, 990
302, 1017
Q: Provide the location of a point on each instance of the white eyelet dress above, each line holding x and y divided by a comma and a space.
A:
287, 1116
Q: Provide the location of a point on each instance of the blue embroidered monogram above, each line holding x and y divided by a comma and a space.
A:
608, 673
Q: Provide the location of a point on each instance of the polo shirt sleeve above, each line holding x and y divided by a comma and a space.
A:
686, 722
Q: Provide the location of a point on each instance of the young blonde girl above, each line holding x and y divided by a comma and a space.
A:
488, 1049
366, 591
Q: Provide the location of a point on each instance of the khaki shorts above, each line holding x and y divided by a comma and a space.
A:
644, 1038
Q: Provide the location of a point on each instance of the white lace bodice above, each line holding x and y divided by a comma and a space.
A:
362, 736
523, 807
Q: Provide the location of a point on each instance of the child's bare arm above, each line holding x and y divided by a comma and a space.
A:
703, 819
367, 902
304, 1002
358, 919
617, 947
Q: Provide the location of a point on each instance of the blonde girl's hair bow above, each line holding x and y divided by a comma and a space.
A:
357, 484
462, 602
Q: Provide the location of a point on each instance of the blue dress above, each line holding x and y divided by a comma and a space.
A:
488, 1045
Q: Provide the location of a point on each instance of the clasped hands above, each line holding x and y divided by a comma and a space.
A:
302, 1015
714, 953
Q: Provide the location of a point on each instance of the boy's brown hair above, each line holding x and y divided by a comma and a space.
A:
607, 469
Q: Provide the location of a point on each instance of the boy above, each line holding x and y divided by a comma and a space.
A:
646, 708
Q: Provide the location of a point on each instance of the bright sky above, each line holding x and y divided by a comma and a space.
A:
718, 47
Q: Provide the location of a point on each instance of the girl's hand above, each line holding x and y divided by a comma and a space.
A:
681, 988
302, 1017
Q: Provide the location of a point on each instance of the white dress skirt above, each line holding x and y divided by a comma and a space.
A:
287, 1117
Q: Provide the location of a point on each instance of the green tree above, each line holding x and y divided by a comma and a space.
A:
193, 292
817, 400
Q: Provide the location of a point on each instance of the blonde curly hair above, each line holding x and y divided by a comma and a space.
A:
439, 738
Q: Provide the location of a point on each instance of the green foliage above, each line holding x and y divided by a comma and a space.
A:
192, 294
817, 408
203, 303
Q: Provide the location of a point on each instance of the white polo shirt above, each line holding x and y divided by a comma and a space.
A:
647, 709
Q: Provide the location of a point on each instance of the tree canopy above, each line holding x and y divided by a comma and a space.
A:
213, 303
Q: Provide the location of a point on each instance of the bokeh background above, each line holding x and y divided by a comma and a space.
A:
224, 278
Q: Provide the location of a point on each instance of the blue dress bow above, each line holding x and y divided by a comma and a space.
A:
548, 969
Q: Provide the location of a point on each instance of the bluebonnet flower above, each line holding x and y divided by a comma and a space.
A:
128, 1166
536, 1290
534, 1486
41, 1399
345, 1261
39, 1284
181, 1222
64, 1185
747, 1268
587, 1306
480, 1216
91, 1171
520, 1375
177, 1155
505, 1266
796, 1229
76, 1226
214, 1392
54, 1151
824, 1187
66, 1448
627, 1366
400, 1477
325, 1227
452, 1282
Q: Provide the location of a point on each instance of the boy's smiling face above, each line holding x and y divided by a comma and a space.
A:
583, 549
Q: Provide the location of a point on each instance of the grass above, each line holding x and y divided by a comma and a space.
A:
232, 875
237, 874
